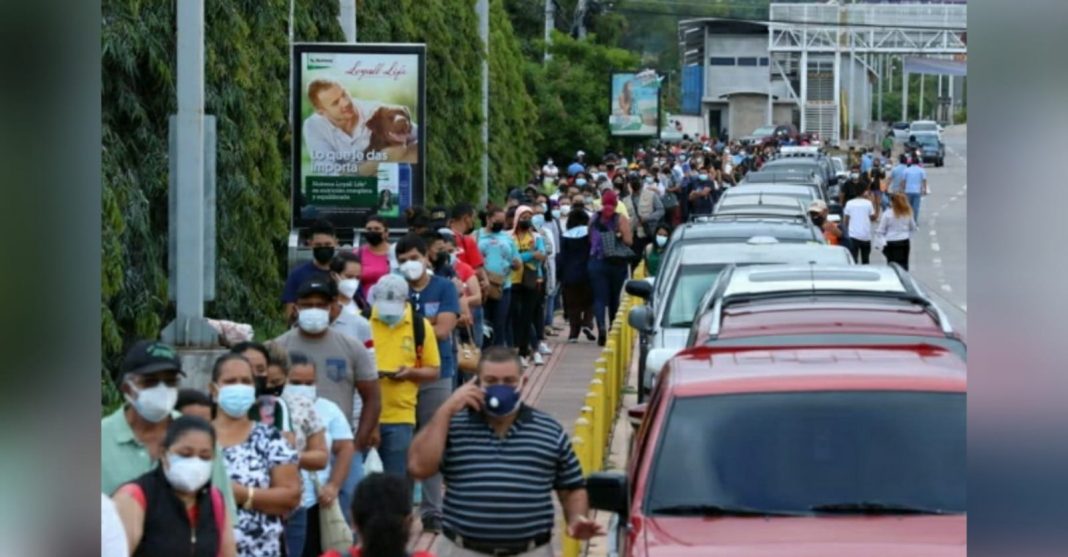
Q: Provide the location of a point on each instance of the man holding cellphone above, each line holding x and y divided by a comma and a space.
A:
405, 360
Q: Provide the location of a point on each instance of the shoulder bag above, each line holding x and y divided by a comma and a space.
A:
334, 531
614, 249
469, 354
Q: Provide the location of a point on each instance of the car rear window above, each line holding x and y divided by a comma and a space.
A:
793, 451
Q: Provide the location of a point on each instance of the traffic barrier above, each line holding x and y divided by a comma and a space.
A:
597, 417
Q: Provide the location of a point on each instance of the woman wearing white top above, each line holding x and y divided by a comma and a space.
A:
858, 215
897, 226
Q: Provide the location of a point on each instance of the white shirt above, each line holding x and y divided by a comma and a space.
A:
895, 228
859, 210
334, 152
336, 428
112, 535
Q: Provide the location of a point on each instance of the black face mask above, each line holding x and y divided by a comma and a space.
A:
323, 254
524, 225
817, 220
373, 238
441, 261
262, 389
497, 226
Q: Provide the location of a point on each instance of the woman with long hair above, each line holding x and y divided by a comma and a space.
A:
526, 280
173, 510
382, 511
897, 226
607, 272
376, 257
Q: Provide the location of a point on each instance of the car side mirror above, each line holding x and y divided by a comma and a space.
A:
641, 318
608, 491
640, 288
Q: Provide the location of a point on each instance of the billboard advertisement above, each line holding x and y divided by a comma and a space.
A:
358, 131
635, 104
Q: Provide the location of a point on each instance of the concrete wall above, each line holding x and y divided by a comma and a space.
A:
783, 114
197, 366
725, 80
746, 113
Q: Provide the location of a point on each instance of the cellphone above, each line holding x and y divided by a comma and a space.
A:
385, 374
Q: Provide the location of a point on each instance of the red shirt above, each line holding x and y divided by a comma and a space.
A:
467, 251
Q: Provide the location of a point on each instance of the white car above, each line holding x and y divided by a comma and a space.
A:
683, 281
926, 126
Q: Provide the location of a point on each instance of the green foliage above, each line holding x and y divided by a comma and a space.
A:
513, 123
961, 115
573, 95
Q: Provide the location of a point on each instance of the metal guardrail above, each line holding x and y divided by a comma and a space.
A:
597, 417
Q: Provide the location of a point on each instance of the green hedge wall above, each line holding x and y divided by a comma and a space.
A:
247, 83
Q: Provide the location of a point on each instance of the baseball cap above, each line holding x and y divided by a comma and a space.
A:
151, 356
817, 206
390, 294
580, 153
319, 283
439, 217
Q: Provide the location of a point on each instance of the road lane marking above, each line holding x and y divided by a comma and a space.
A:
937, 261
936, 247
947, 288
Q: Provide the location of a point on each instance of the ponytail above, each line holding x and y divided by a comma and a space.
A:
380, 509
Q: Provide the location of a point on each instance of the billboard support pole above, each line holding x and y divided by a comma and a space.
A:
347, 18
482, 6
189, 327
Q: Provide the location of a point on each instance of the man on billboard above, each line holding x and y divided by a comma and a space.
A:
347, 136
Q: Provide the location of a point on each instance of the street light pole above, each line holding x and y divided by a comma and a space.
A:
482, 6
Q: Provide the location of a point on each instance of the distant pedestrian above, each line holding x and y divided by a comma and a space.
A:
466, 441
859, 214
897, 226
915, 187
655, 251
574, 274
322, 240
607, 271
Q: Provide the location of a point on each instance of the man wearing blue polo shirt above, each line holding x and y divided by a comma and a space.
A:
577, 166
323, 241
436, 299
866, 161
915, 179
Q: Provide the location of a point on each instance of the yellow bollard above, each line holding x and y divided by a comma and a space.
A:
601, 413
586, 422
594, 439
603, 363
600, 374
569, 547
580, 444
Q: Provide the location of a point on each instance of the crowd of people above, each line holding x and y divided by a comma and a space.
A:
408, 355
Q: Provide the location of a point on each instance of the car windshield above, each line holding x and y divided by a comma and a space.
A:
765, 131
812, 453
927, 140
690, 286
924, 127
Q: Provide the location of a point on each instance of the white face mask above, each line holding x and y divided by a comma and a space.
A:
348, 287
306, 391
187, 473
661, 241
565, 210
155, 403
313, 320
412, 270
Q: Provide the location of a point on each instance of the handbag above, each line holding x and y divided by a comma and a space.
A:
614, 248
494, 286
530, 278
469, 354
334, 531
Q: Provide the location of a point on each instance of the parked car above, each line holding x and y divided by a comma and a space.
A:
664, 321
758, 136
800, 189
925, 126
801, 305
804, 158
825, 451
931, 148
901, 131
761, 205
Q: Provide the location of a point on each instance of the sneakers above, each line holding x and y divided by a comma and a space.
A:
602, 338
544, 349
523, 361
572, 340
588, 332
538, 360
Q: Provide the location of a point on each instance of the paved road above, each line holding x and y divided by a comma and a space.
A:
939, 248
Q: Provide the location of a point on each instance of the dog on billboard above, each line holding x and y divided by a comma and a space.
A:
393, 133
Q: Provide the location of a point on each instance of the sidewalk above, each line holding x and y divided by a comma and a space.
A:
558, 388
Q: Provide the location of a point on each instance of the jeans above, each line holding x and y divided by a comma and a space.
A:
348, 489
914, 202
578, 307
550, 304
523, 306
431, 397
897, 251
296, 530
497, 313
607, 280
396, 438
861, 250
476, 314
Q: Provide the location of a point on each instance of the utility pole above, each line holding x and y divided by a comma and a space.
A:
922, 76
482, 6
189, 327
550, 24
580, 19
347, 18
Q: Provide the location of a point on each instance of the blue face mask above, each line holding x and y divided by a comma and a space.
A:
235, 400
538, 221
390, 320
501, 400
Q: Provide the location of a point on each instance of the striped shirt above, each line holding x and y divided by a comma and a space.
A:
501, 488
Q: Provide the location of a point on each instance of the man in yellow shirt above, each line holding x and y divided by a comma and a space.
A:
407, 355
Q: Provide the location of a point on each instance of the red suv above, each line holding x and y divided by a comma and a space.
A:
817, 451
